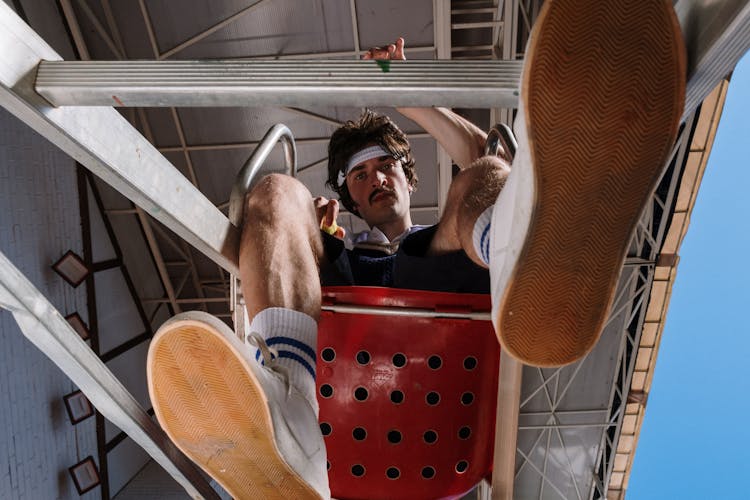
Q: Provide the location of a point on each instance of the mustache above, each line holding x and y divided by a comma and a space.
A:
380, 191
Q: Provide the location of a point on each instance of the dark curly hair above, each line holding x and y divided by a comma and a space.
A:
354, 136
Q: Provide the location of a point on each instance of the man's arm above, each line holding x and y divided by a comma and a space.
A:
461, 139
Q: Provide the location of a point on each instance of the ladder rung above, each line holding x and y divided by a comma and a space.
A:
280, 83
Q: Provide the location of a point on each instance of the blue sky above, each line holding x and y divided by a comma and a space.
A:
695, 437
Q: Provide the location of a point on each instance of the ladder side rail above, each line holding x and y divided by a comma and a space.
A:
45, 327
105, 143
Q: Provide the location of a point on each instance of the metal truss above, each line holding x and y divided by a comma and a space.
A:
714, 49
43, 325
647, 241
624, 326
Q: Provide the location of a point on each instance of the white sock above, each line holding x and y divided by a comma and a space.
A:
294, 335
481, 235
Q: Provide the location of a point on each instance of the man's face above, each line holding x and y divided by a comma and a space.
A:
380, 190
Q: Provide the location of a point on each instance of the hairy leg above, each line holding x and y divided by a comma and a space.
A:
280, 248
471, 192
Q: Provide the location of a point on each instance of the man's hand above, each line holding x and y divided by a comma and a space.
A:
394, 51
327, 211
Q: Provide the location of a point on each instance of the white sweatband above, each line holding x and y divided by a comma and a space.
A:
480, 236
363, 155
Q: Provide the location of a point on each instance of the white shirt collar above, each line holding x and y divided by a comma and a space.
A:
377, 237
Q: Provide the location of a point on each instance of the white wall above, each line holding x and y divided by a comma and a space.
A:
39, 221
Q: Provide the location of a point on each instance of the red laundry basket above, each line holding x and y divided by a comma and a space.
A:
407, 404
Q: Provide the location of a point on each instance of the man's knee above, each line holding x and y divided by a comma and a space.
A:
275, 193
481, 182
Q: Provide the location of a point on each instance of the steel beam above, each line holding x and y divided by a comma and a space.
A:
105, 143
717, 35
475, 84
43, 325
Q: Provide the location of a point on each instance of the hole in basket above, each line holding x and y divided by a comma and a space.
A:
360, 394
359, 434
432, 398
328, 354
470, 363
393, 473
328, 465
435, 362
428, 472
363, 357
399, 360
326, 390
358, 470
461, 466
397, 397
325, 428
467, 398
464, 432
430, 436
394, 437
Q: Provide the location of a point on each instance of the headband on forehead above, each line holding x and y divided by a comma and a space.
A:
359, 157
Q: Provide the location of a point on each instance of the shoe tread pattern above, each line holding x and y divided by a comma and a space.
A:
593, 154
208, 404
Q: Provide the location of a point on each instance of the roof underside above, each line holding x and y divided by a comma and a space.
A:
578, 424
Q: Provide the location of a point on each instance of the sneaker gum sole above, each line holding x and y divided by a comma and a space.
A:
211, 406
604, 94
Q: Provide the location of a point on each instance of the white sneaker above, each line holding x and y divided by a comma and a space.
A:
602, 94
243, 423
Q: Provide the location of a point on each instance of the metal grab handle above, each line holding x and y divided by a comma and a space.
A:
500, 137
278, 132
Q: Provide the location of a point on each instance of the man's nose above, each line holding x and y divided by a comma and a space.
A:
378, 178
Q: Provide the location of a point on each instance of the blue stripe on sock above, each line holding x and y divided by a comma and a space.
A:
262, 361
484, 244
294, 343
296, 357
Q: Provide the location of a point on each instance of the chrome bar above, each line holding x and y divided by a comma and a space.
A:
406, 311
43, 325
277, 133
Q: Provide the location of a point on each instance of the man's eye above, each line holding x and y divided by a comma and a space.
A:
359, 176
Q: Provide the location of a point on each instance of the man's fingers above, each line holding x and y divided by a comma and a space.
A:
398, 50
321, 205
394, 51
332, 212
376, 53
327, 212
320, 201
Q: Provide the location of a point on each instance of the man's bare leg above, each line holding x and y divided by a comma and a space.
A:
248, 414
280, 248
472, 192
595, 128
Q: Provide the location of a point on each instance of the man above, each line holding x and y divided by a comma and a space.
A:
372, 170
594, 126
